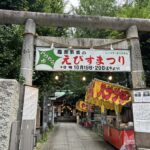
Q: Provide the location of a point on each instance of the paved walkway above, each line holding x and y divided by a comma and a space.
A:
69, 136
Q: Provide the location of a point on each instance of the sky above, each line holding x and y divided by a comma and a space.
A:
75, 3
120, 2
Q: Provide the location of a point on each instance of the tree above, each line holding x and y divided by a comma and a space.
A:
93, 8
97, 7
10, 47
13, 4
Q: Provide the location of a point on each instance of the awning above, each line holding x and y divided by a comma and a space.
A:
107, 94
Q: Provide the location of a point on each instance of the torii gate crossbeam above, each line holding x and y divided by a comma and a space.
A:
49, 19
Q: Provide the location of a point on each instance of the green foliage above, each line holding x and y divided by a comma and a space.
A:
97, 8
10, 51
13, 4
21, 79
45, 135
52, 6
143, 3
49, 6
135, 11
43, 139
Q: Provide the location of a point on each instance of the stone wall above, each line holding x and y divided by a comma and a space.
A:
9, 106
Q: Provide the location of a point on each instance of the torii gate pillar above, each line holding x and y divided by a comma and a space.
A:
136, 63
28, 52
138, 80
26, 73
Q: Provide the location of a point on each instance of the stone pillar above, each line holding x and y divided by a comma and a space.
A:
26, 73
9, 110
28, 52
138, 78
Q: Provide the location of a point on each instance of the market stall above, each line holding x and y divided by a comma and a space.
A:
114, 102
83, 108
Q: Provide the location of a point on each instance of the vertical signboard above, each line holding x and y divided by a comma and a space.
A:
141, 110
141, 113
30, 103
141, 116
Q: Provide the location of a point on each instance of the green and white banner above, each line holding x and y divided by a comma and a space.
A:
63, 59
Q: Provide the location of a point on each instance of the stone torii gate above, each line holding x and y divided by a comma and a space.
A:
33, 19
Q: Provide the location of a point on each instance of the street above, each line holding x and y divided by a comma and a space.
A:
70, 136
